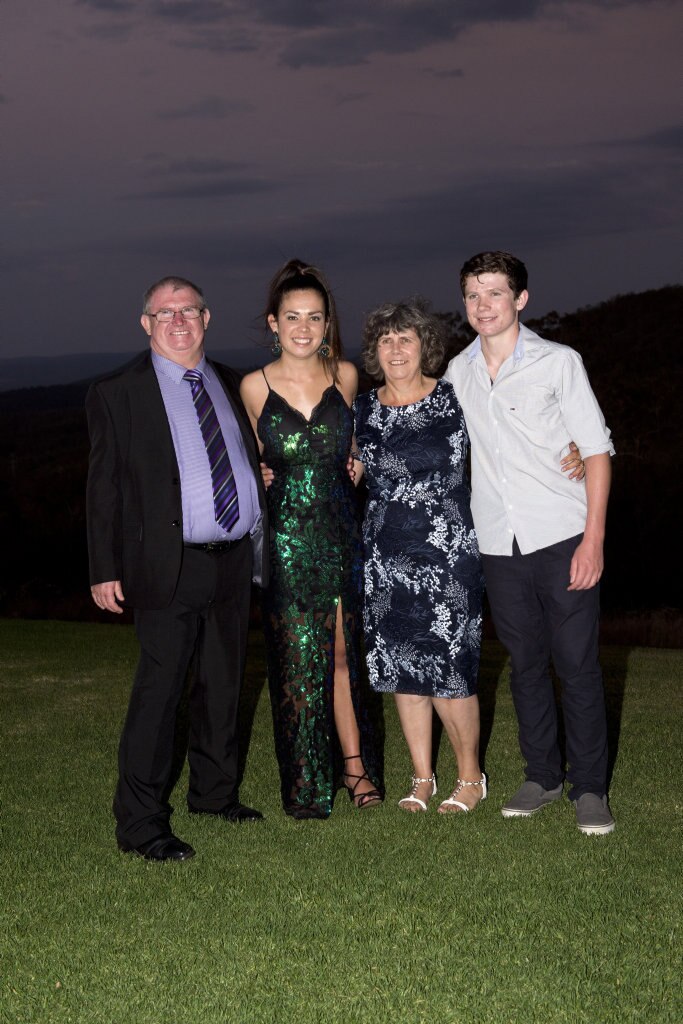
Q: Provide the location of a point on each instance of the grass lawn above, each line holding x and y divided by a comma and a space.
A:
378, 916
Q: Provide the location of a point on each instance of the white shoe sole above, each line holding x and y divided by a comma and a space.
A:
515, 812
597, 830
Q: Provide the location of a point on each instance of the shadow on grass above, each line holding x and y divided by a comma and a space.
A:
614, 671
493, 660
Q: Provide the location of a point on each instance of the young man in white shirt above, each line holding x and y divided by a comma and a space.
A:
540, 534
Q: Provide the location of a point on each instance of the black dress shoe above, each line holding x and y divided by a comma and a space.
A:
166, 847
235, 812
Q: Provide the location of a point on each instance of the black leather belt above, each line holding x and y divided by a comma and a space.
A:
215, 545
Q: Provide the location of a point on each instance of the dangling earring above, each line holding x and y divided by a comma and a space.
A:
324, 349
276, 347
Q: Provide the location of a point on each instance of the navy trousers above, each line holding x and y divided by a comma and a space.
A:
208, 621
537, 618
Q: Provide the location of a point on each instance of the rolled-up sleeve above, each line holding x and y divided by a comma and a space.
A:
580, 410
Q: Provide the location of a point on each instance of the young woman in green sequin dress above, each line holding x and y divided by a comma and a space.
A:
300, 409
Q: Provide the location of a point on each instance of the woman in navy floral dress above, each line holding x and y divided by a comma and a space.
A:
423, 579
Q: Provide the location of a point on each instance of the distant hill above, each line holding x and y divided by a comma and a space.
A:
49, 371
631, 348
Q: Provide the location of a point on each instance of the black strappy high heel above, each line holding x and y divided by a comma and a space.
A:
373, 797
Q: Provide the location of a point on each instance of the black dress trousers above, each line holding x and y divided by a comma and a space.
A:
537, 619
208, 621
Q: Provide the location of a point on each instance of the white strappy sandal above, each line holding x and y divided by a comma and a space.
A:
451, 801
411, 798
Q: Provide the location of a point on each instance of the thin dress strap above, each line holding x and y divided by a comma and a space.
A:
265, 378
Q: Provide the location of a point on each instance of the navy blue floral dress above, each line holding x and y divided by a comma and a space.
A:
423, 578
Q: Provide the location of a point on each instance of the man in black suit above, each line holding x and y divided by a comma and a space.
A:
176, 520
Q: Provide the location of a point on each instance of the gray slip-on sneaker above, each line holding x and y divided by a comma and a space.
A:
593, 816
530, 798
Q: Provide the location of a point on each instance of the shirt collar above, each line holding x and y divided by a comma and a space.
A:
475, 349
517, 355
174, 370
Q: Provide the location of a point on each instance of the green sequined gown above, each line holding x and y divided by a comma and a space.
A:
316, 560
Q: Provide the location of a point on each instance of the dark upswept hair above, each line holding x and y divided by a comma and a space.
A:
412, 314
496, 263
176, 283
297, 275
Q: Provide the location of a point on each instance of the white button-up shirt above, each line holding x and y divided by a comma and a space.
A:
520, 426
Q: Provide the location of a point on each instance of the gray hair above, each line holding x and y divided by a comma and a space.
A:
176, 283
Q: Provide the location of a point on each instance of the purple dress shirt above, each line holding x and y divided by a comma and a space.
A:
199, 519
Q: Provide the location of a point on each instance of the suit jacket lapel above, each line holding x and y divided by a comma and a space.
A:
148, 408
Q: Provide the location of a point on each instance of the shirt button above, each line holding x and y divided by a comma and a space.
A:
176, 522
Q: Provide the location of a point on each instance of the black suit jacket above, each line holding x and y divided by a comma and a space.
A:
134, 507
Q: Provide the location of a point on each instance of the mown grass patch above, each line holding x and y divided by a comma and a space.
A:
368, 917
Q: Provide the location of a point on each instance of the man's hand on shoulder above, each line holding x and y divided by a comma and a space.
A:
586, 565
108, 596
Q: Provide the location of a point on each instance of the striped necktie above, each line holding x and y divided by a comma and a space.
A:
223, 479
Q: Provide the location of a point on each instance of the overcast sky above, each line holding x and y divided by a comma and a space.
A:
384, 140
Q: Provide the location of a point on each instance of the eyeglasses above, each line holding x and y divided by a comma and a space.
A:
187, 313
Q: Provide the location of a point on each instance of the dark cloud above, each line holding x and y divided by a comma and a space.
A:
191, 12
324, 34
206, 190
313, 14
455, 73
173, 10
305, 14
122, 15
665, 138
209, 108
554, 204
198, 178
559, 218
548, 206
355, 31
352, 97
111, 32
668, 141
208, 166
110, 6
237, 41
352, 32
